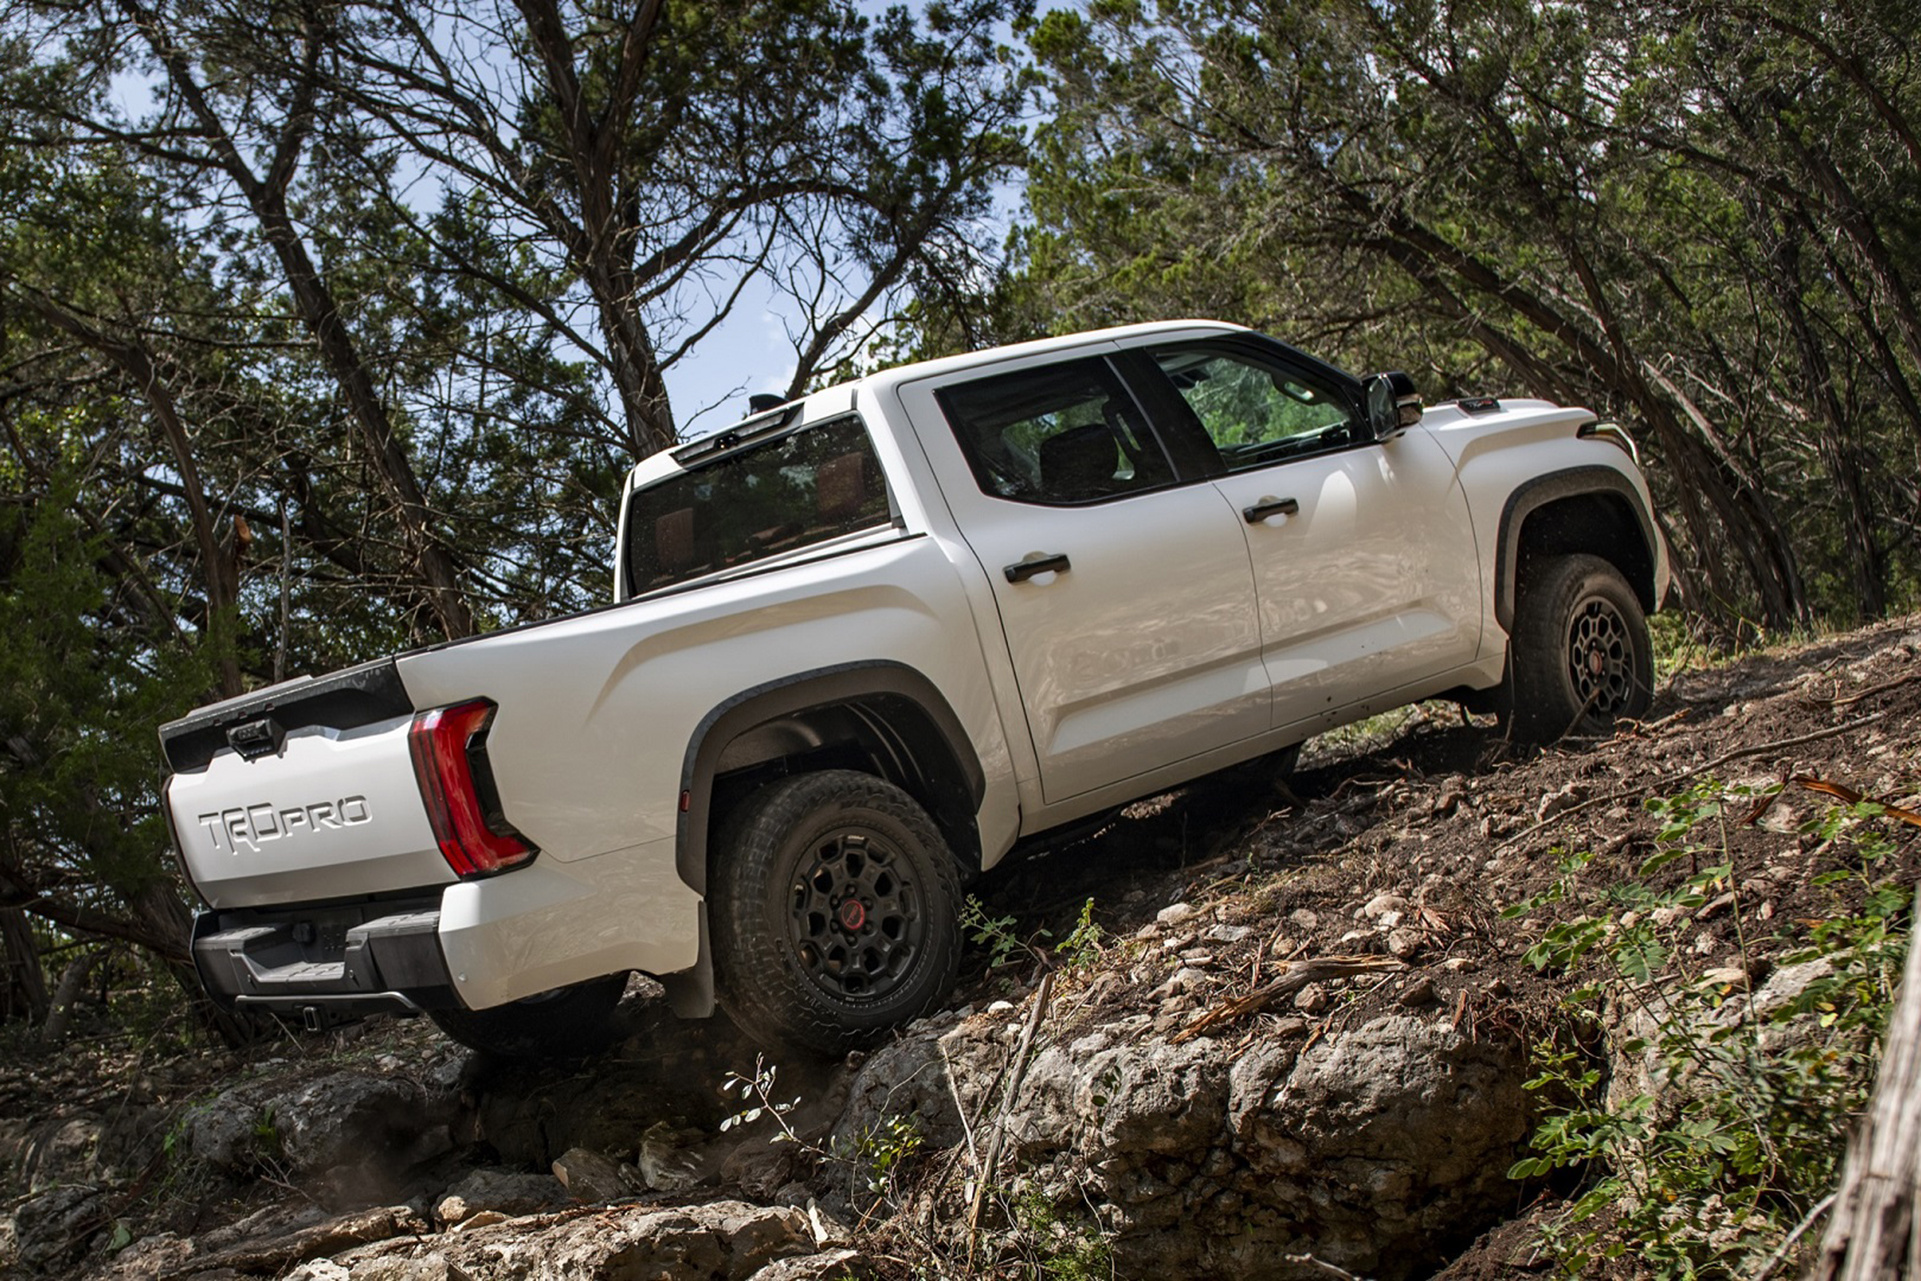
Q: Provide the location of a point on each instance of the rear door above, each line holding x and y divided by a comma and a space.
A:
1125, 595
1363, 553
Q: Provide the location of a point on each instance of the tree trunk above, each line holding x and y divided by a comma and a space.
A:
1817, 377
435, 567
1874, 1232
60, 1012
23, 994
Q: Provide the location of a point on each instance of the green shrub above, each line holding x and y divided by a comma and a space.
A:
1738, 1134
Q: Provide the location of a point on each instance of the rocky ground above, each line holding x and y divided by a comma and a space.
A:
1288, 1038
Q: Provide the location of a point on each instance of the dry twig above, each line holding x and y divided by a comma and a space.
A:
1294, 976
991, 1158
1669, 780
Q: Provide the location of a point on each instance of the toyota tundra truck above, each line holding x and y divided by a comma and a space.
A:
863, 644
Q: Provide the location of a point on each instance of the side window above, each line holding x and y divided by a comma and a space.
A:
1065, 433
1255, 412
792, 491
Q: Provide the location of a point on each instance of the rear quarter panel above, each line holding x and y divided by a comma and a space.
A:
596, 713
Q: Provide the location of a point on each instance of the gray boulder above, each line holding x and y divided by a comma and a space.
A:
721, 1241
1376, 1149
344, 1121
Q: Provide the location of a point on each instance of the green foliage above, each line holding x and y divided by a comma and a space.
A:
1703, 1170
884, 1152
1078, 950
995, 933
80, 695
1081, 949
1062, 1249
757, 1091
1635, 208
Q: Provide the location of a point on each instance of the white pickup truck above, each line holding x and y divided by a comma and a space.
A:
863, 644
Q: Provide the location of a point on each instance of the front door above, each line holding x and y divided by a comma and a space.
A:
1126, 598
1363, 552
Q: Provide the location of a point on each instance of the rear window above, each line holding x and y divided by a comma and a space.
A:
1063, 433
796, 490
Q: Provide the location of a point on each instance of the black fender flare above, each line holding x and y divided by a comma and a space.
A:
1537, 492
790, 696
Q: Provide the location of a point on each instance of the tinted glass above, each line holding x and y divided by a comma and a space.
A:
1065, 433
1256, 412
796, 490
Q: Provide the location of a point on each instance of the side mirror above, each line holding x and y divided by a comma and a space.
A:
1393, 404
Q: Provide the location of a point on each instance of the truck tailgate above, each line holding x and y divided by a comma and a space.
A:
325, 806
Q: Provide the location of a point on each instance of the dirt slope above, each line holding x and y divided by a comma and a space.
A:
1430, 809
1404, 844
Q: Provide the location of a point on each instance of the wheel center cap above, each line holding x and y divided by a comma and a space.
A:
852, 915
1595, 662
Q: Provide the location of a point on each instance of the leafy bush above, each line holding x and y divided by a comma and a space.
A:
1708, 1165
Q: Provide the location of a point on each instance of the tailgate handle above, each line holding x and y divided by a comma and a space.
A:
255, 739
1270, 507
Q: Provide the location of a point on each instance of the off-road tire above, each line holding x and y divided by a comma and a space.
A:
835, 908
568, 1022
1580, 655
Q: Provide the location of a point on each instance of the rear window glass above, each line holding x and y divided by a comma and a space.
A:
796, 490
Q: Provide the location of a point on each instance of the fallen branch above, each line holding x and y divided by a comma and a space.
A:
1294, 976
1896, 683
990, 1159
1329, 1268
1842, 792
1821, 1207
1642, 789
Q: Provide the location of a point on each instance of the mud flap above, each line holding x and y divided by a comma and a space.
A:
691, 991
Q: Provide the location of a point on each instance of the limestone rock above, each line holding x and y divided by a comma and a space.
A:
670, 1161
722, 1241
509, 1192
344, 1119
828, 1265
55, 1226
589, 1176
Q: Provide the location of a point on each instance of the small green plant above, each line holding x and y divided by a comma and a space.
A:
266, 1135
757, 1091
995, 933
885, 1150
1062, 1249
1082, 946
1702, 1164
1079, 950
875, 1158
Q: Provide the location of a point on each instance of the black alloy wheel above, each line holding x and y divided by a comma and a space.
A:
856, 923
1601, 656
834, 907
1579, 655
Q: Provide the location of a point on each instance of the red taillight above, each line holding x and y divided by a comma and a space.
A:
473, 842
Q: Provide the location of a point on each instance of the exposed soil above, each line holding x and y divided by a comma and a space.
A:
1433, 808
1404, 842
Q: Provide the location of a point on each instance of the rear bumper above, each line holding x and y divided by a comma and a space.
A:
472, 945
326, 965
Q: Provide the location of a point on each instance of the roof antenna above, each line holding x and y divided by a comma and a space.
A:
762, 401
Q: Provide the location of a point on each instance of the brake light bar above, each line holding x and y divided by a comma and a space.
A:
448, 745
